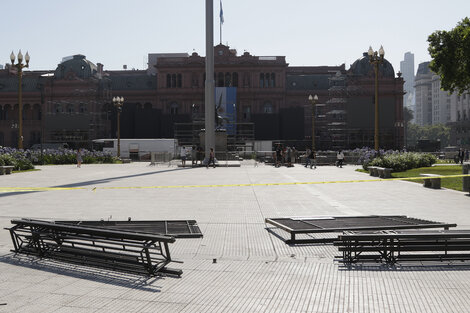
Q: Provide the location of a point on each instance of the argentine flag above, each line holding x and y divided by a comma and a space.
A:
221, 13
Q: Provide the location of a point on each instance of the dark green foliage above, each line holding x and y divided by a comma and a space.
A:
450, 53
415, 132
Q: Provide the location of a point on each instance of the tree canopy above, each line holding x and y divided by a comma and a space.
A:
450, 53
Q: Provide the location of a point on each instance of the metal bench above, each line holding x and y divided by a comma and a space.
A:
432, 181
400, 246
137, 253
6, 169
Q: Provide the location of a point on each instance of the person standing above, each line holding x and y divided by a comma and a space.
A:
289, 157
313, 159
307, 157
79, 157
461, 155
211, 158
193, 156
339, 159
183, 156
278, 156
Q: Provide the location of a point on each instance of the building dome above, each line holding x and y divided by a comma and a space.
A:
76, 65
362, 67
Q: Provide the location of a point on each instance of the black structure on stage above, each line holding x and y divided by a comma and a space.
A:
325, 224
132, 252
175, 228
404, 246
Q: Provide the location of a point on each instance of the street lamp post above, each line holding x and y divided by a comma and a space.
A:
376, 58
118, 102
313, 100
19, 66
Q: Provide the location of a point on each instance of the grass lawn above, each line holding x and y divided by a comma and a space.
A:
454, 183
450, 183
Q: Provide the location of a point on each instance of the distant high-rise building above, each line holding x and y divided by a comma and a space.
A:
440, 102
423, 90
407, 68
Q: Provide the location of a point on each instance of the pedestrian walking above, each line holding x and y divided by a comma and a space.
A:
79, 157
339, 159
211, 158
466, 155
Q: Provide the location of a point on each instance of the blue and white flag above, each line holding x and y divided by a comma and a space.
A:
221, 13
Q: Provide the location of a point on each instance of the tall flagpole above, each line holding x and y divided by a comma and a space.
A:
221, 20
209, 106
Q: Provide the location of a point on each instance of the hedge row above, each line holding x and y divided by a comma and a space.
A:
26, 159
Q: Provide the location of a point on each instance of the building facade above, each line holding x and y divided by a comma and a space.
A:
73, 103
407, 68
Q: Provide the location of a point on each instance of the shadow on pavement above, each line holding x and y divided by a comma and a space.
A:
94, 182
83, 272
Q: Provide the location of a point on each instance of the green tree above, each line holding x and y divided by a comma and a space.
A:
450, 53
431, 132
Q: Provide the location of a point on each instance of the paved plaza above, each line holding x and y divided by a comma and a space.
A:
241, 264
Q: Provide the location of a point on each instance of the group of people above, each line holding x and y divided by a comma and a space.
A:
284, 156
197, 155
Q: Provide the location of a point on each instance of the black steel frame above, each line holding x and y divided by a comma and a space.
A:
131, 252
413, 223
392, 247
174, 228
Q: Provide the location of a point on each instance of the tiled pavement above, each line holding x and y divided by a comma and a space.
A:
254, 270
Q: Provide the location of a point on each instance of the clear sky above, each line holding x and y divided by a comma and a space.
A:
307, 32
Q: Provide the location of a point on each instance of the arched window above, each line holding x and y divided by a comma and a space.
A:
268, 108
246, 80
58, 107
6, 112
228, 80
179, 82
168, 81
220, 79
261, 80
272, 82
235, 79
174, 108
82, 108
37, 112
173, 81
70, 108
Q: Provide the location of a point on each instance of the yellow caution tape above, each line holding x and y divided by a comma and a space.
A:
30, 189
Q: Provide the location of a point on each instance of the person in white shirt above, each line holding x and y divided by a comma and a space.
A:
183, 156
339, 158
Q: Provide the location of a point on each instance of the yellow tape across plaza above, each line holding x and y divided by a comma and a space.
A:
94, 188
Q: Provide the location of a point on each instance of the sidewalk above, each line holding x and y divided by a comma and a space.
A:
255, 271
